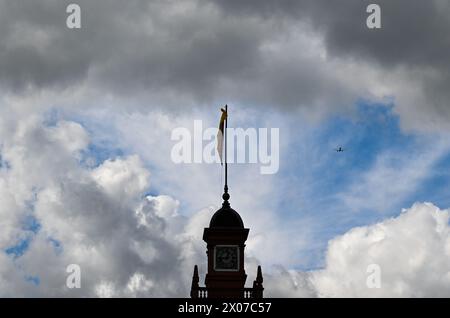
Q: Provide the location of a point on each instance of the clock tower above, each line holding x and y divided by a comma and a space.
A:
225, 242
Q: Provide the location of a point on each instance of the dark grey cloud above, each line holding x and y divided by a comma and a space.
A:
194, 49
414, 40
413, 32
129, 46
257, 53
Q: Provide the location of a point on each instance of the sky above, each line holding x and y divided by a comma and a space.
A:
87, 115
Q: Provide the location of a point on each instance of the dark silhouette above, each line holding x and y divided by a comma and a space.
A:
225, 238
339, 149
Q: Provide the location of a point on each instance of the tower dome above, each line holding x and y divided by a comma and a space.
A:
226, 217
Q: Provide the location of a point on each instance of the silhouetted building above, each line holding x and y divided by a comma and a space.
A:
225, 238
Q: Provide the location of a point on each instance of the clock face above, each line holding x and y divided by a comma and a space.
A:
226, 258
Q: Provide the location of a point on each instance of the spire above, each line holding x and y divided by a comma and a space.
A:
195, 278
259, 277
258, 288
195, 285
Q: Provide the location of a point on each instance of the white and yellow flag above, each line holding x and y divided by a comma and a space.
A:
220, 134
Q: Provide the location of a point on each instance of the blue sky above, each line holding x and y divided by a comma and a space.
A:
320, 176
313, 180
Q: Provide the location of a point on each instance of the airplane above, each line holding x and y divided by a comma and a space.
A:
339, 149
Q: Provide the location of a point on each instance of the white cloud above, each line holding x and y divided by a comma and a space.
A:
288, 283
412, 250
95, 218
70, 135
105, 290
122, 178
129, 245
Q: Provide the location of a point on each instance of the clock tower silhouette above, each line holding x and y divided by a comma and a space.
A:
225, 242
225, 238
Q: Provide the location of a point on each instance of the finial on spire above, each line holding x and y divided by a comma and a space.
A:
258, 284
195, 278
259, 277
195, 285
226, 197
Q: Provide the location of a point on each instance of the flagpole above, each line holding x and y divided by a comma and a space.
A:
226, 196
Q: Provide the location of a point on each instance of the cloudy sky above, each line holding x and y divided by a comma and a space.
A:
86, 117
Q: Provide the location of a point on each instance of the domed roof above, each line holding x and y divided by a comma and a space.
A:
226, 217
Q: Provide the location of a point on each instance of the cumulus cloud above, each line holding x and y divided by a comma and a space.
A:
409, 254
122, 178
138, 246
411, 250
126, 244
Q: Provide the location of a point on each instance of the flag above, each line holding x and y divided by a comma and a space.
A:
220, 134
